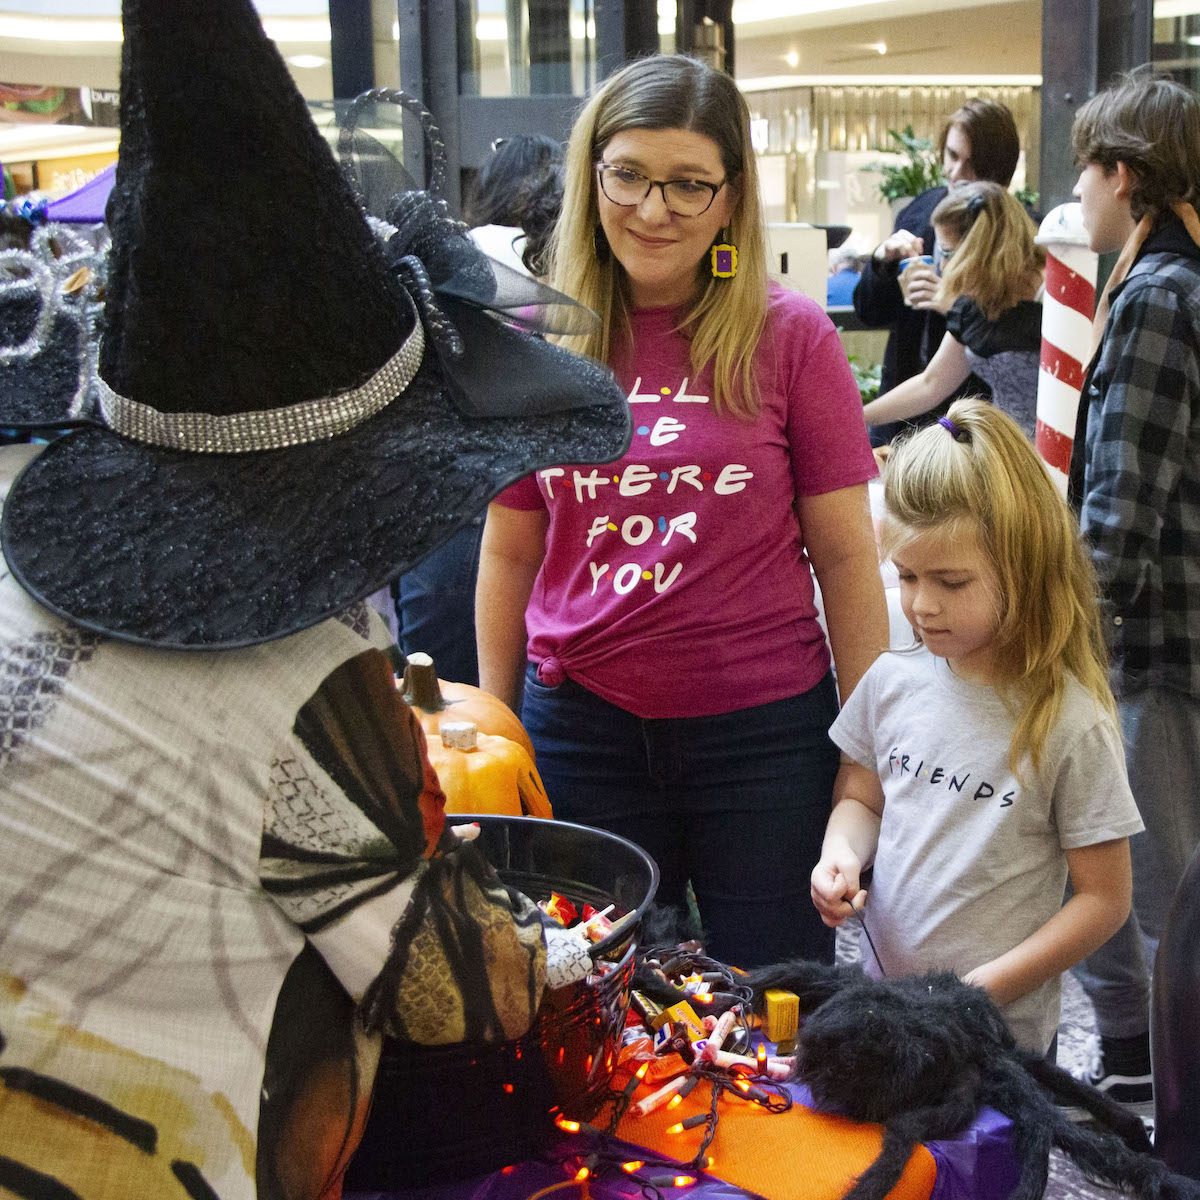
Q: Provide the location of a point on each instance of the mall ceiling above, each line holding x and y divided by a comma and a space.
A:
76, 43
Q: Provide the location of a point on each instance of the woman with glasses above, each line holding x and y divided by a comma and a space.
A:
990, 290
656, 615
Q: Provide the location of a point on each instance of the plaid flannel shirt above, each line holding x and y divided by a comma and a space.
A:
1141, 493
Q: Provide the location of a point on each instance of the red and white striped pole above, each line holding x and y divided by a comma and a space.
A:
1067, 308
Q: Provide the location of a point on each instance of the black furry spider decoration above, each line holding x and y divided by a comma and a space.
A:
922, 1055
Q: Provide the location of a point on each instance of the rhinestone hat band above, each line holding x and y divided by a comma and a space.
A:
269, 429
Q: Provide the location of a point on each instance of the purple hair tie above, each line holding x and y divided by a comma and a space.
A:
955, 432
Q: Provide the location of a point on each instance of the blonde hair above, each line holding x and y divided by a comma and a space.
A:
727, 320
989, 479
996, 255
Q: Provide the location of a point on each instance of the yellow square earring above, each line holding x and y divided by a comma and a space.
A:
724, 259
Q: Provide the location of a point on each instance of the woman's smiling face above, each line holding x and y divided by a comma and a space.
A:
661, 251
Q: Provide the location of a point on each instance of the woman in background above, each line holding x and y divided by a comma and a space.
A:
678, 688
514, 201
979, 141
990, 290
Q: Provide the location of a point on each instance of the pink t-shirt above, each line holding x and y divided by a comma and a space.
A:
675, 582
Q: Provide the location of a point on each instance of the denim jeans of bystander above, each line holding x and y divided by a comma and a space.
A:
736, 803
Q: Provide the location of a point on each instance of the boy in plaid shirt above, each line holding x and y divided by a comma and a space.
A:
1135, 477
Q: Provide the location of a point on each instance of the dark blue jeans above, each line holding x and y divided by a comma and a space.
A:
435, 605
737, 803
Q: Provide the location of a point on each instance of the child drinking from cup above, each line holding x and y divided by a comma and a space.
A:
983, 766
991, 278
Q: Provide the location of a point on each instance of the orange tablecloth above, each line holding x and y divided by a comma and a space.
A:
799, 1153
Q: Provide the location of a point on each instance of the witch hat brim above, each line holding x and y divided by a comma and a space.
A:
128, 534
157, 546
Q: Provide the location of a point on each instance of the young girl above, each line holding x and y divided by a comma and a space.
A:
984, 766
991, 280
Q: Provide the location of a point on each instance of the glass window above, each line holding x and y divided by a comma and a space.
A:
1177, 40
527, 47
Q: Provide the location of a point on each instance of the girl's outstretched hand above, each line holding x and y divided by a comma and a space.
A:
835, 887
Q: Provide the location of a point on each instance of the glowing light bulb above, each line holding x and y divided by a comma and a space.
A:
569, 1126
635, 1164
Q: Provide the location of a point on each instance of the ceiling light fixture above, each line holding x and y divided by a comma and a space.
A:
1175, 8
792, 59
766, 83
491, 29
746, 12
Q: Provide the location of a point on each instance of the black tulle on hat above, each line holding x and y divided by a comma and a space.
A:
292, 413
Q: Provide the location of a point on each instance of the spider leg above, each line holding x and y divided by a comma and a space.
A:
904, 1131
812, 982
1015, 1088
884, 1173
1011, 1091
1104, 1158
1066, 1089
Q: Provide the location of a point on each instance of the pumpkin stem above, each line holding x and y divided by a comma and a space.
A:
421, 688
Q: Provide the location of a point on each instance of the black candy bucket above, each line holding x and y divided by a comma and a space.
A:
448, 1112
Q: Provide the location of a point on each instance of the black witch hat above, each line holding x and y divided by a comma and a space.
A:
279, 437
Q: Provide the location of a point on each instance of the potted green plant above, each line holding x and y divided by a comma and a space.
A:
867, 375
905, 180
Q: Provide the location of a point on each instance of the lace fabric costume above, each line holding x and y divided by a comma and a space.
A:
223, 875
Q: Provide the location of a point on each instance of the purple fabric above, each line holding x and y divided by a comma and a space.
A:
86, 205
978, 1165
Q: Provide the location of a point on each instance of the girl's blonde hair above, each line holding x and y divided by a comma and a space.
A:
726, 322
987, 479
996, 255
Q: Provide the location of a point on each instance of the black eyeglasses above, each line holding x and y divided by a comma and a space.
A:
683, 197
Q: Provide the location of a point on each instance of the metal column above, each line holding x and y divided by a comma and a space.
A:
1084, 44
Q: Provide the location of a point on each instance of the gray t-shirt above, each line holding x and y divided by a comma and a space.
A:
970, 860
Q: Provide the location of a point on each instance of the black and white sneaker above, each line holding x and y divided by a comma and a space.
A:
1119, 1067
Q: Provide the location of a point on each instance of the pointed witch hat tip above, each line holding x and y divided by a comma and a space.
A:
223, 168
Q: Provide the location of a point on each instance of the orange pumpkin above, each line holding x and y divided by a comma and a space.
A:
485, 773
435, 700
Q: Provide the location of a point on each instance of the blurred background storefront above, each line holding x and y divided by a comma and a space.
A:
826, 80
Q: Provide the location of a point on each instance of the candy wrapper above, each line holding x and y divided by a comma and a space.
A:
559, 909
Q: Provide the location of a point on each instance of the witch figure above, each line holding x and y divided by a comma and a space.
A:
224, 868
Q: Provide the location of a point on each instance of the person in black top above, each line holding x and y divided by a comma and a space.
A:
979, 141
991, 279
